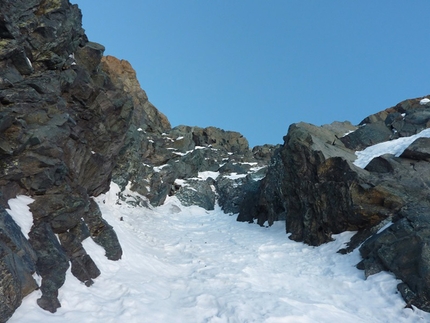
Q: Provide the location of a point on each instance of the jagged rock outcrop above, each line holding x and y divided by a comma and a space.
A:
157, 159
403, 248
62, 124
313, 180
72, 121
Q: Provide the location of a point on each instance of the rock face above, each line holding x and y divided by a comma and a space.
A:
403, 248
196, 164
62, 124
72, 121
313, 182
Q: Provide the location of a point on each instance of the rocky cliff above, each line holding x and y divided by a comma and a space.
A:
73, 120
62, 125
314, 183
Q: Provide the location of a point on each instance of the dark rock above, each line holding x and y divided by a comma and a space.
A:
380, 165
198, 160
160, 184
72, 121
155, 155
22, 62
313, 181
418, 150
102, 233
235, 193
89, 56
264, 153
367, 135
63, 122
62, 211
200, 193
217, 138
265, 204
306, 180
362, 235
405, 119
83, 267
232, 167
17, 265
403, 248
52, 263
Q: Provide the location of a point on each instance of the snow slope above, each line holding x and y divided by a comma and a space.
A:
186, 264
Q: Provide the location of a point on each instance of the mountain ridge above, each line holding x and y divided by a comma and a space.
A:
73, 121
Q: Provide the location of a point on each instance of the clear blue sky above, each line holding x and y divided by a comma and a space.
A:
258, 66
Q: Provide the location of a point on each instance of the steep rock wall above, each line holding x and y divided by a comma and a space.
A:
62, 124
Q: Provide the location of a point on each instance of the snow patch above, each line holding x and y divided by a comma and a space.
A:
208, 174
20, 212
395, 147
389, 224
347, 133
159, 168
424, 101
235, 176
29, 62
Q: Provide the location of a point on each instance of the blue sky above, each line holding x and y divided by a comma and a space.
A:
258, 66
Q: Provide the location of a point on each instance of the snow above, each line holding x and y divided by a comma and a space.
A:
395, 147
20, 212
235, 176
424, 101
181, 182
29, 62
347, 133
386, 226
207, 174
186, 264
159, 168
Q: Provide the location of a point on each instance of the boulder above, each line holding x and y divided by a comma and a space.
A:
403, 248
196, 192
367, 135
235, 192
264, 153
418, 150
217, 138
